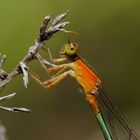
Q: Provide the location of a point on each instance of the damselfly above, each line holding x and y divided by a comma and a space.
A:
113, 128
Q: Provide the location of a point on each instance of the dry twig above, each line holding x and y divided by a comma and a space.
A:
12, 109
44, 35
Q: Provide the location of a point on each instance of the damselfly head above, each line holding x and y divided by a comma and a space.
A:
69, 49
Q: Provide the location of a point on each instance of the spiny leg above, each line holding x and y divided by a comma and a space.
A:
52, 82
55, 67
37, 78
61, 69
59, 72
59, 60
48, 52
38, 57
57, 75
54, 61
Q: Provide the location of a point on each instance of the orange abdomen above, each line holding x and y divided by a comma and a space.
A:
86, 77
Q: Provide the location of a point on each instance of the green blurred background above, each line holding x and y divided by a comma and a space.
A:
109, 42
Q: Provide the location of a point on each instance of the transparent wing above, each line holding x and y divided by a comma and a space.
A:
117, 125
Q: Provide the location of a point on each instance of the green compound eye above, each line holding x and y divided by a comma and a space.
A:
71, 49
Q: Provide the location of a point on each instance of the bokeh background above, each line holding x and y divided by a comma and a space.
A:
109, 42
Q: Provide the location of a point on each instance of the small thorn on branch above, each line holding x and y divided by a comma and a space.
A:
7, 97
44, 25
2, 59
3, 74
59, 18
58, 27
24, 69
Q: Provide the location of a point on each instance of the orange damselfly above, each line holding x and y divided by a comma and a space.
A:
91, 85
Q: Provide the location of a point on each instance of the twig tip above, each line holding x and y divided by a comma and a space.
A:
47, 17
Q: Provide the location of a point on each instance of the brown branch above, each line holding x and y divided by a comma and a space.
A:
44, 35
